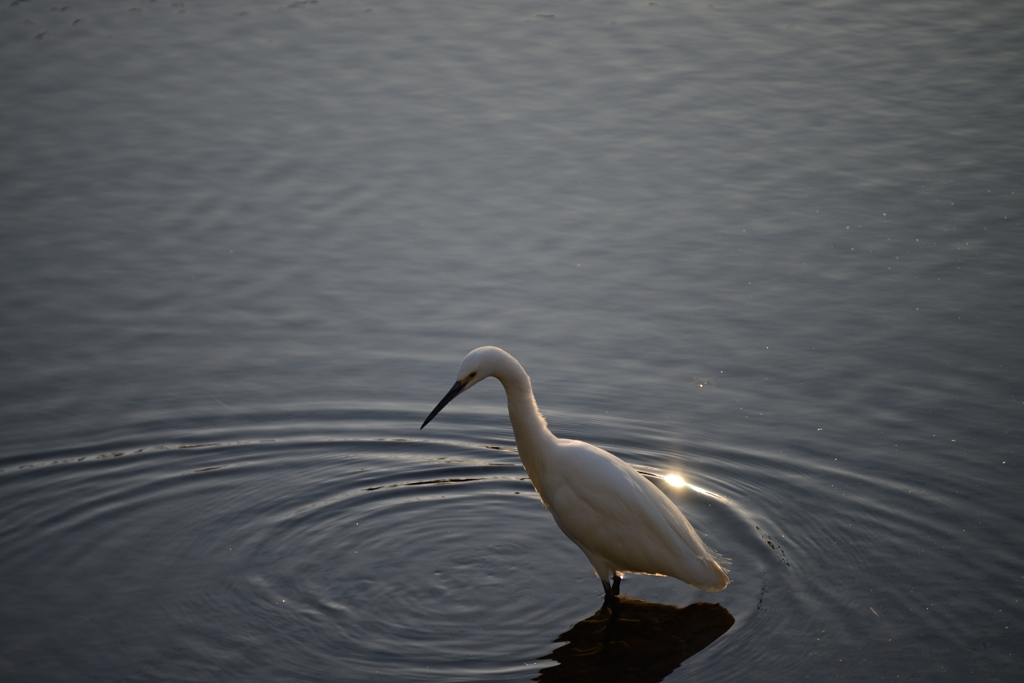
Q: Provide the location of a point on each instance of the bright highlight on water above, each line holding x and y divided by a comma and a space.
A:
622, 522
675, 480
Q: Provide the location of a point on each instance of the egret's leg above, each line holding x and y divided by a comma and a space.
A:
615, 584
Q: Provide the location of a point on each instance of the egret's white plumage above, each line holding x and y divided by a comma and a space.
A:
619, 519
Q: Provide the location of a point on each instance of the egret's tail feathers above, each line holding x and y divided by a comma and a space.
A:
720, 578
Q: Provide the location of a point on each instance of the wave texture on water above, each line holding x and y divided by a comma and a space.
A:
335, 546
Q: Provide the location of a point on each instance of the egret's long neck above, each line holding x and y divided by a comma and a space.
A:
528, 425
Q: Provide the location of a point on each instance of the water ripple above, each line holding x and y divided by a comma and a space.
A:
283, 546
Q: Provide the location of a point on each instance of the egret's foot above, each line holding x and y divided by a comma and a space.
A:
613, 607
615, 584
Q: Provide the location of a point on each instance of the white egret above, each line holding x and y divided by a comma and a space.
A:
622, 522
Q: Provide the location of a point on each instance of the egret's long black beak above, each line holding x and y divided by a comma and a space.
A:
452, 393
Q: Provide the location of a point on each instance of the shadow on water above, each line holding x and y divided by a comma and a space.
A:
635, 641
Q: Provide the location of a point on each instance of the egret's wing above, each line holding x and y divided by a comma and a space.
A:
604, 505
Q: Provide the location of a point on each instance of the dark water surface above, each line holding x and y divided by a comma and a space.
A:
774, 247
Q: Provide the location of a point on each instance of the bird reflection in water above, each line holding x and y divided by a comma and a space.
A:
632, 641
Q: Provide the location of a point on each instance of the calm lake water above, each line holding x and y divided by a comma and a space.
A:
773, 247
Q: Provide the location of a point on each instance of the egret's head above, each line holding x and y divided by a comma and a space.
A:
480, 364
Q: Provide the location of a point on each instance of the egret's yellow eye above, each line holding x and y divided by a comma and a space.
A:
472, 375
